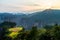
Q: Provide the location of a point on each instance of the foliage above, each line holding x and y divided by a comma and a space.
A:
48, 32
14, 31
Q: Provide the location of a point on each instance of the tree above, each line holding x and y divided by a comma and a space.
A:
8, 24
3, 29
55, 32
33, 33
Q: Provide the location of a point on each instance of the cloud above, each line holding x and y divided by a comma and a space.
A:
17, 8
28, 5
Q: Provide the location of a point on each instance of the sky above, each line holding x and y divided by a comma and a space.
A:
28, 5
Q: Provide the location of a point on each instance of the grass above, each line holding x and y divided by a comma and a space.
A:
14, 31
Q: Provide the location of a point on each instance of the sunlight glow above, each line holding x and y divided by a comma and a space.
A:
28, 5
14, 31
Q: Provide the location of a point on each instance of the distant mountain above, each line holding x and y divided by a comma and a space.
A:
47, 16
38, 18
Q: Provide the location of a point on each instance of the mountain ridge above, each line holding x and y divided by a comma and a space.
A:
48, 17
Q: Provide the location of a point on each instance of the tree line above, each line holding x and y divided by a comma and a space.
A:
48, 32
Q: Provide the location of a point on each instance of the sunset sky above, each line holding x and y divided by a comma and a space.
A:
28, 5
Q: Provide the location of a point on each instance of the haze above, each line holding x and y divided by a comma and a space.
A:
28, 5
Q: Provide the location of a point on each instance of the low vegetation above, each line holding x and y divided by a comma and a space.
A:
10, 32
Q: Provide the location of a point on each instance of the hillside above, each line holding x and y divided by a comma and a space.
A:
38, 18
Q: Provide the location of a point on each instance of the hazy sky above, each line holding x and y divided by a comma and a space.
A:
28, 5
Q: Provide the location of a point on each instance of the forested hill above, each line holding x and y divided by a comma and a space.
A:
39, 18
